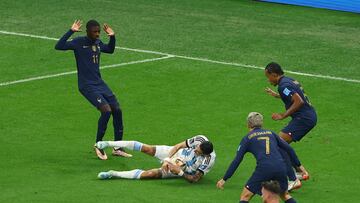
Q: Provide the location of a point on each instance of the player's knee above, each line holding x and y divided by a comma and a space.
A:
105, 109
246, 196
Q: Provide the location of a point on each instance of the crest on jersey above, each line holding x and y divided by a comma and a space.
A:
94, 48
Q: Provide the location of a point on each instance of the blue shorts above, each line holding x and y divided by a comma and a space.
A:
99, 95
299, 127
259, 176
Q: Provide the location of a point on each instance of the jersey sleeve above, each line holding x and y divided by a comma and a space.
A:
108, 48
195, 141
207, 164
286, 90
242, 149
63, 44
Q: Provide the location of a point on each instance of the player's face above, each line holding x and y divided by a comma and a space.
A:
198, 151
272, 78
264, 195
93, 32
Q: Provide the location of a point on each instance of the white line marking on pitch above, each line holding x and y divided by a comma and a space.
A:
197, 59
73, 72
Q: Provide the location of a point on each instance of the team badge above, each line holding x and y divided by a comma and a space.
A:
94, 48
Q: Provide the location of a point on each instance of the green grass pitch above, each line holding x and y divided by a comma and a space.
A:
47, 129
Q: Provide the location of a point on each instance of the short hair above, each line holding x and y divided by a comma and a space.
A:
272, 186
255, 119
92, 23
206, 147
274, 68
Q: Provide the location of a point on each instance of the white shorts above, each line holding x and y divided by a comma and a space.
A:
162, 151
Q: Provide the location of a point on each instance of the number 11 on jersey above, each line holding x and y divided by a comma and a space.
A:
95, 58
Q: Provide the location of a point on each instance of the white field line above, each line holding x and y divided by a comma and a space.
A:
198, 59
73, 72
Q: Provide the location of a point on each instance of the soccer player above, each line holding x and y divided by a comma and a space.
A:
270, 165
87, 50
271, 191
298, 107
193, 157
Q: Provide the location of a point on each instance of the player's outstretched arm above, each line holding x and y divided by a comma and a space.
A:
176, 148
110, 47
63, 44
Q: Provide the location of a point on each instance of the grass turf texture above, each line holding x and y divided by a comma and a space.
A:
47, 128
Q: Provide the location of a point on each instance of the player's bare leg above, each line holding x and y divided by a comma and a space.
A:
102, 125
133, 174
246, 195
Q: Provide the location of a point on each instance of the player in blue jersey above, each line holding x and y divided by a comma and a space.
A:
190, 159
87, 50
265, 145
298, 107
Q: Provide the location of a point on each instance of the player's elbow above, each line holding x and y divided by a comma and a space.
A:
58, 47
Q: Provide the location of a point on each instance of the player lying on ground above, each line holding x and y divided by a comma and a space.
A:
298, 107
190, 159
265, 145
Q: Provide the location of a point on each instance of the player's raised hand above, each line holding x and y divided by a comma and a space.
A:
76, 26
277, 116
108, 30
220, 184
271, 92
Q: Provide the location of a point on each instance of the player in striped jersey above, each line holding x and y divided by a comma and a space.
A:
190, 159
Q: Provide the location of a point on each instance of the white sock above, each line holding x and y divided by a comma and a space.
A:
134, 174
132, 145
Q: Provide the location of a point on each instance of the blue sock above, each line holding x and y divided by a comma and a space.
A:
117, 123
102, 125
289, 169
291, 200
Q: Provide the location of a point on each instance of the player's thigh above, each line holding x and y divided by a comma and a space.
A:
297, 129
254, 182
95, 98
162, 151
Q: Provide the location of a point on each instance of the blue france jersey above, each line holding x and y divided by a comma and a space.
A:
194, 162
287, 87
87, 54
264, 145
